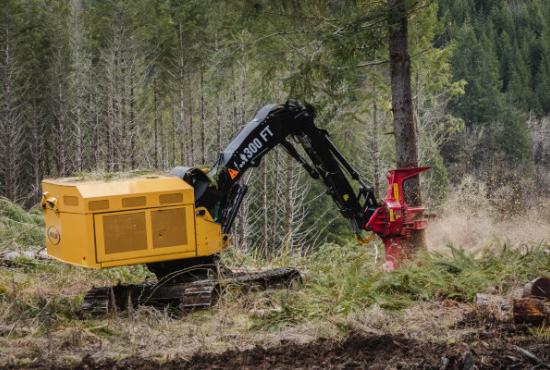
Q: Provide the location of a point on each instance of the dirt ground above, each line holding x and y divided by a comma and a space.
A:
504, 347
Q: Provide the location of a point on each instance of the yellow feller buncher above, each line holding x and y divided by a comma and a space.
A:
179, 223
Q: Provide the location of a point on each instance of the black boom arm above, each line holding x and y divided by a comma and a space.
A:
274, 125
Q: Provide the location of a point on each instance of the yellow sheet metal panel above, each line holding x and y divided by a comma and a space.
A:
167, 227
66, 238
124, 232
209, 234
93, 196
62, 198
119, 222
148, 259
125, 236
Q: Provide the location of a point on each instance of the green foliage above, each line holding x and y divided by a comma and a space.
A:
108, 86
503, 55
19, 227
344, 279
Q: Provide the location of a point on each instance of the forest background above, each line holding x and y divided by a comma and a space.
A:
105, 86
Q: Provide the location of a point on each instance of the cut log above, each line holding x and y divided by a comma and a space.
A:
540, 287
531, 311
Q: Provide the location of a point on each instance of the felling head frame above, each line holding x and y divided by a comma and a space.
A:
398, 219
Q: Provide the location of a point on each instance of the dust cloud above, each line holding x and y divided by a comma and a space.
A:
469, 232
471, 220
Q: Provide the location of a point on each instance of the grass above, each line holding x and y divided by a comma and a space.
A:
542, 332
344, 288
342, 280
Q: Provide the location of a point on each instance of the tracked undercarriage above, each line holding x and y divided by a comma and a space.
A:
193, 288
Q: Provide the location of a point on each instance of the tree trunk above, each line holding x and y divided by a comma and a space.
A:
243, 212
202, 119
95, 133
163, 142
237, 230
184, 157
9, 123
62, 156
375, 148
110, 112
235, 124
218, 125
174, 135
191, 135
37, 146
156, 124
123, 152
403, 122
265, 209
275, 200
132, 119
77, 80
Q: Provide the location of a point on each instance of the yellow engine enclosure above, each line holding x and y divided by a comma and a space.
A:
126, 221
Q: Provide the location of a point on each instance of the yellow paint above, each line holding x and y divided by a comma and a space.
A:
142, 260
83, 240
103, 256
209, 234
115, 191
392, 218
396, 191
76, 232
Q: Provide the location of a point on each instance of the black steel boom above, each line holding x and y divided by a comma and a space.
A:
274, 125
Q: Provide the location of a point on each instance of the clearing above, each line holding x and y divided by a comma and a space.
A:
348, 313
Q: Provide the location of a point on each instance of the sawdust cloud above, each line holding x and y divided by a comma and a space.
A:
471, 220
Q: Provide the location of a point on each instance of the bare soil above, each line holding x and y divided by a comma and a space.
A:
505, 347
